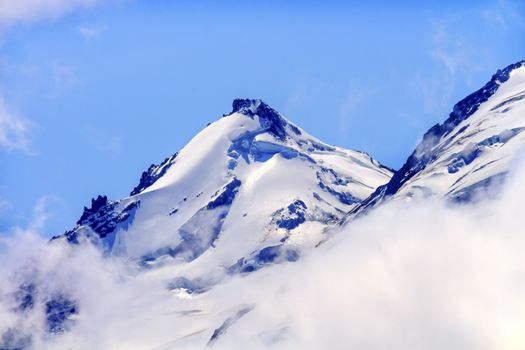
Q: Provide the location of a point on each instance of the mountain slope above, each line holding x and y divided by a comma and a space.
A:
250, 189
470, 153
253, 189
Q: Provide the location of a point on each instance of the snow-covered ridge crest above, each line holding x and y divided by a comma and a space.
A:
250, 189
469, 152
270, 119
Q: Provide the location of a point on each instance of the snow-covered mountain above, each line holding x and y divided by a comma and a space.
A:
251, 188
185, 250
471, 152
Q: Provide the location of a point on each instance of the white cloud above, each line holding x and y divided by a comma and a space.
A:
41, 213
14, 130
451, 48
29, 10
91, 31
458, 57
456, 62
420, 275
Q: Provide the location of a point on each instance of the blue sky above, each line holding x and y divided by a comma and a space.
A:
92, 92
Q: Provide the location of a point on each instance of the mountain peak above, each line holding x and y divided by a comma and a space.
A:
241, 105
463, 110
502, 75
270, 119
465, 153
238, 187
466, 107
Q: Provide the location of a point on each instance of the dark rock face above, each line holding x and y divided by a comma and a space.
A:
470, 104
272, 253
102, 217
25, 297
154, 172
96, 205
291, 216
226, 196
270, 118
14, 340
241, 104
58, 313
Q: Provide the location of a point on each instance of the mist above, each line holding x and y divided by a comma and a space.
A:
410, 275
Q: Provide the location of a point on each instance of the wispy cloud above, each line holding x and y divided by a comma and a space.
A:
44, 210
42, 213
30, 10
91, 31
456, 60
502, 15
14, 130
451, 48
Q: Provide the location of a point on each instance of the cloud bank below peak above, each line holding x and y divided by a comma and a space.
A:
416, 275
